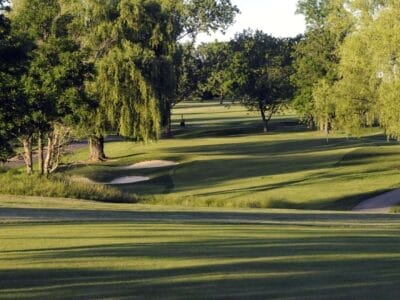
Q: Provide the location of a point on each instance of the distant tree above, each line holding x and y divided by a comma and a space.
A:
356, 91
216, 78
190, 70
367, 92
195, 16
206, 16
262, 72
317, 59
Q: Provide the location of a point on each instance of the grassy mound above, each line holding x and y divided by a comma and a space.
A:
16, 183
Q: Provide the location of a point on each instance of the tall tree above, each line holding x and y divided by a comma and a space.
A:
317, 58
194, 17
53, 81
216, 77
7, 81
131, 45
386, 60
357, 89
136, 96
263, 69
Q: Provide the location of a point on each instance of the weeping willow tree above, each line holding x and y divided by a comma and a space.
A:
131, 45
127, 99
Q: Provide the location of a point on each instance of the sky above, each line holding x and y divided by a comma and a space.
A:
275, 17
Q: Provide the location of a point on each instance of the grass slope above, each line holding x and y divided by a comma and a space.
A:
227, 162
69, 249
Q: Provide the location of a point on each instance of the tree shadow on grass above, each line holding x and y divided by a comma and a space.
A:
359, 265
277, 147
238, 128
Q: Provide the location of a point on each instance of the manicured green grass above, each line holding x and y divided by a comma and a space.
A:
52, 249
227, 162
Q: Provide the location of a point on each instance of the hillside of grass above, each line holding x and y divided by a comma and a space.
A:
70, 249
225, 161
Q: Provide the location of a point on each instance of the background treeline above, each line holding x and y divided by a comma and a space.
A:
86, 68
346, 65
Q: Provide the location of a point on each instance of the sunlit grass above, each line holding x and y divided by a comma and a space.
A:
227, 161
172, 253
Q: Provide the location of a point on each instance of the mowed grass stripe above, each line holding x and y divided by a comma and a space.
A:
184, 260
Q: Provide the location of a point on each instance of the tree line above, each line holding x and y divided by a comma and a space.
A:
87, 68
93, 67
346, 65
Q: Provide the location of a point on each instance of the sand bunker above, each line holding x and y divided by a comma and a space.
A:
151, 164
121, 180
128, 179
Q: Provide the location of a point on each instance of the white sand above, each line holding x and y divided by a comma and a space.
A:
132, 179
128, 179
151, 164
380, 204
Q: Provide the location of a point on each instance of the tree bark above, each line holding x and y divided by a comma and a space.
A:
27, 143
49, 154
96, 144
326, 127
40, 153
166, 122
264, 120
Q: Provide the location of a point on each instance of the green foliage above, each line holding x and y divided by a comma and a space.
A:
127, 99
206, 16
317, 55
356, 91
216, 77
190, 73
12, 60
6, 149
367, 90
262, 70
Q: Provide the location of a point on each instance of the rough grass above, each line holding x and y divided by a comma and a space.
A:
140, 252
227, 162
14, 182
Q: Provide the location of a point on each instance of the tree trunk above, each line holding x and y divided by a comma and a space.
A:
326, 127
49, 154
27, 143
40, 153
166, 122
264, 120
96, 144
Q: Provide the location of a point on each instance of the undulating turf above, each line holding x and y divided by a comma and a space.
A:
68, 249
227, 162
